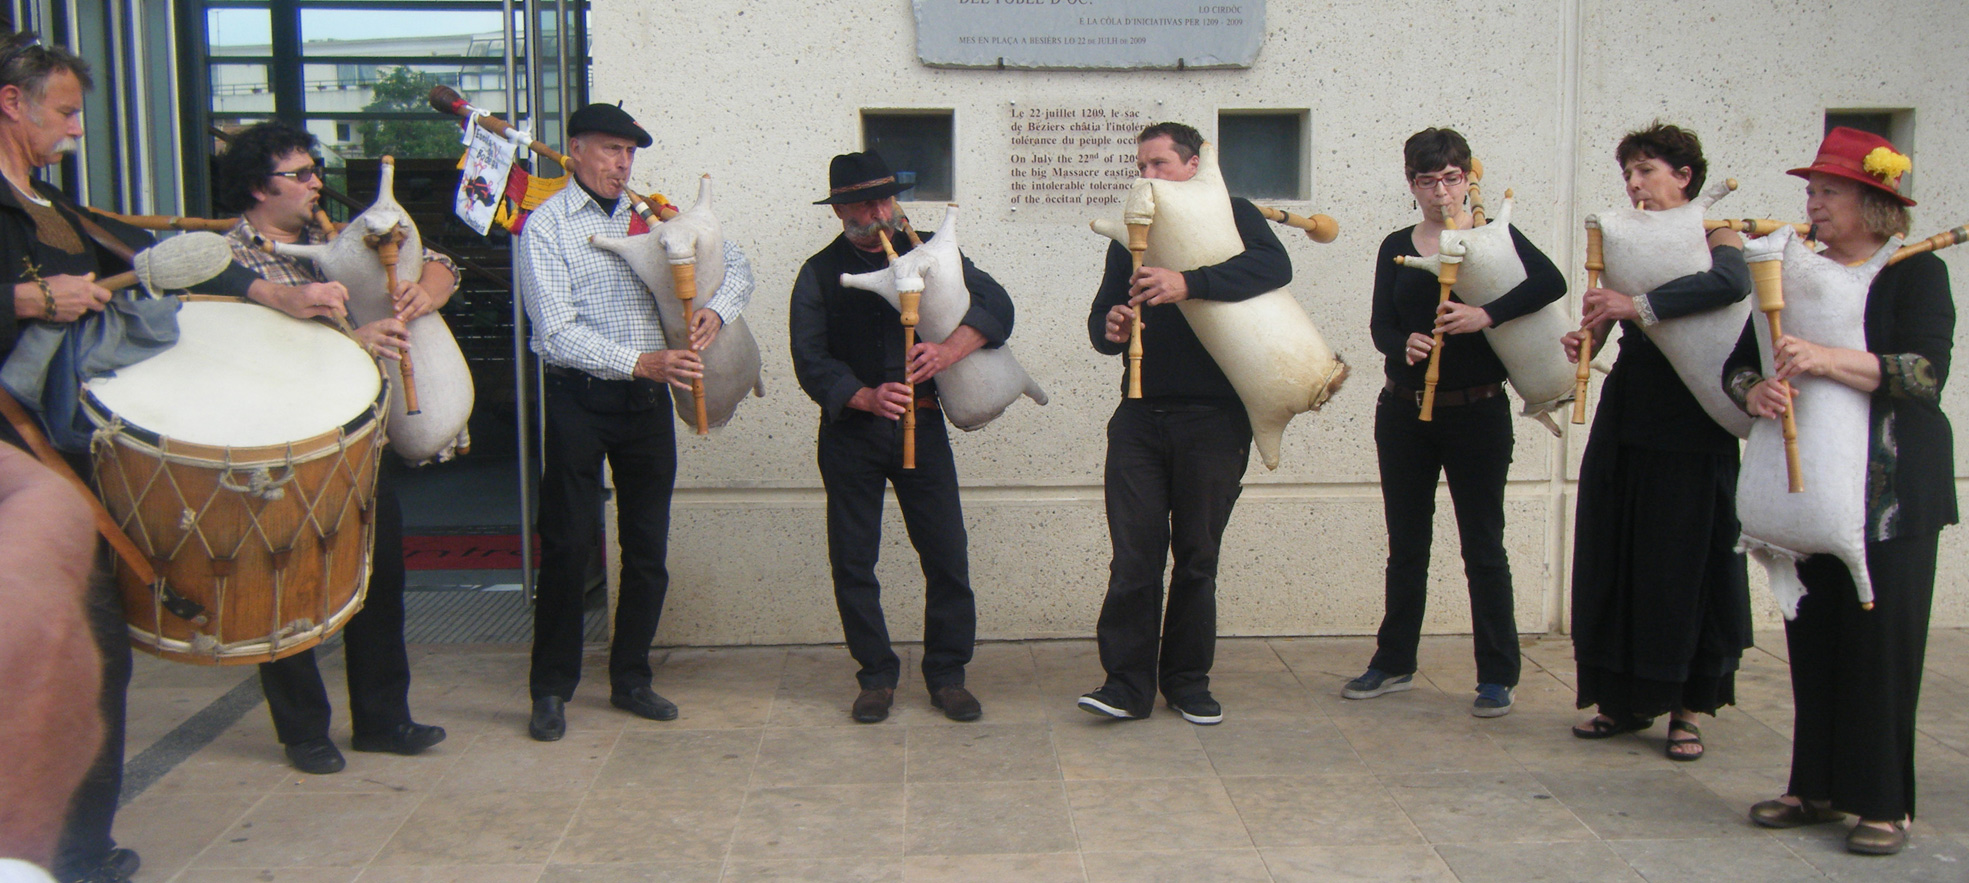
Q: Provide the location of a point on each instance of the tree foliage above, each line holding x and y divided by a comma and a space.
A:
404, 90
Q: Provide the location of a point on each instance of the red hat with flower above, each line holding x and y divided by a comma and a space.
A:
1860, 156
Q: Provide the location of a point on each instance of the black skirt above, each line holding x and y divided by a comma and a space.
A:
1661, 605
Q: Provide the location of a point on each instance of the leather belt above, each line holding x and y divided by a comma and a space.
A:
927, 403
1447, 397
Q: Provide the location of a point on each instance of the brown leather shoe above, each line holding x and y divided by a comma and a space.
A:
1866, 839
872, 706
1779, 814
957, 703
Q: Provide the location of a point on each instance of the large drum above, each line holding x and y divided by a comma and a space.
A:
243, 462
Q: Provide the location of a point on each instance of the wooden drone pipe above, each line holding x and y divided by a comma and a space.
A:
1936, 242
1767, 278
1595, 262
1319, 228
910, 301
171, 222
1759, 226
1138, 246
1446, 276
445, 99
683, 277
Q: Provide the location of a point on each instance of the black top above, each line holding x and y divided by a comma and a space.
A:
846, 338
1174, 362
19, 246
1910, 319
1405, 303
1643, 397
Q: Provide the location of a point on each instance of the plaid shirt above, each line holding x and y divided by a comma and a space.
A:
296, 271
589, 311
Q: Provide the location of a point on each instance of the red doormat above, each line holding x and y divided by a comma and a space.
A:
465, 552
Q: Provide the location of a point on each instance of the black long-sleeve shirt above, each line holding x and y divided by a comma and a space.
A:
845, 339
1405, 301
1174, 362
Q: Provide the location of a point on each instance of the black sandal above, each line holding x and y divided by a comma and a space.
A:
1604, 727
1694, 740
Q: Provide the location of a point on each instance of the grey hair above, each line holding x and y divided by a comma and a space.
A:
1882, 214
26, 63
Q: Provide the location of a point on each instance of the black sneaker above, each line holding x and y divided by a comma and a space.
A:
117, 865
1106, 703
1375, 682
1199, 709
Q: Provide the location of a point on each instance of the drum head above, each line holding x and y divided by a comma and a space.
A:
244, 375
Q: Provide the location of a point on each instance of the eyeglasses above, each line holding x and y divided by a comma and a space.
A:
301, 175
1430, 182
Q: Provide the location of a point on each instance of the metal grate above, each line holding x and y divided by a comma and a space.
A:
479, 616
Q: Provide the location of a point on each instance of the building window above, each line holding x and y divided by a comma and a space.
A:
1263, 153
917, 146
1895, 124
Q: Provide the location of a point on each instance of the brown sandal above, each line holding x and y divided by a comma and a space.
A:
1684, 749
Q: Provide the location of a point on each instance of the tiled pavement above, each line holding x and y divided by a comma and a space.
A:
764, 778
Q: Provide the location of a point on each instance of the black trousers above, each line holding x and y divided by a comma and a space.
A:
1173, 473
85, 837
1856, 678
630, 424
858, 455
378, 666
1470, 445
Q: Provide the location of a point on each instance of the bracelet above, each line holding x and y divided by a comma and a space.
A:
47, 299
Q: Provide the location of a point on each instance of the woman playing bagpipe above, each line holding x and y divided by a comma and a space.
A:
1856, 673
1466, 435
1661, 609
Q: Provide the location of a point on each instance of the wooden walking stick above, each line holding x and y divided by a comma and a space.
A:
1451, 263
683, 277
910, 298
1767, 278
1595, 262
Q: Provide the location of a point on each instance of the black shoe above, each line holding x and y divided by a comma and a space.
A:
643, 702
116, 866
1199, 709
316, 757
872, 706
405, 739
957, 703
1107, 703
549, 722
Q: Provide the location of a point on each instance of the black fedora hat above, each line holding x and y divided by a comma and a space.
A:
860, 177
607, 119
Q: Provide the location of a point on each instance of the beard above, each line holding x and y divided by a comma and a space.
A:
866, 232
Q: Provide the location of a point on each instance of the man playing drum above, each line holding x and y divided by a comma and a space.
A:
1176, 457
848, 353
51, 252
596, 328
269, 175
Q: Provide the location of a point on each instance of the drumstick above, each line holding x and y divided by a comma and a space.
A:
106, 524
683, 277
1447, 277
1767, 278
1138, 245
1936, 242
1595, 262
910, 301
1319, 228
445, 99
386, 251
